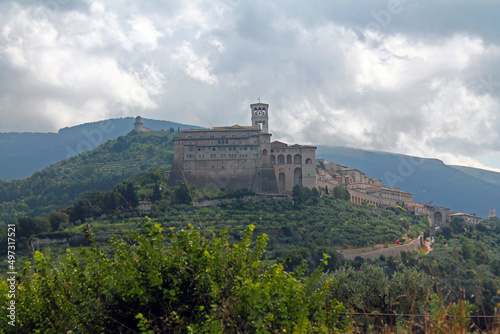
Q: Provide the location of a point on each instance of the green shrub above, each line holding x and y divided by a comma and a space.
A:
180, 282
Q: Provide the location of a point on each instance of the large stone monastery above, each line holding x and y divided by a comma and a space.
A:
244, 157
238, 157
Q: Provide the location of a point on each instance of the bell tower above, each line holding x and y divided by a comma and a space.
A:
493, 212
260, 115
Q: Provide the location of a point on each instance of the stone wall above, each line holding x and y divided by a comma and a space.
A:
395, 251
37, 242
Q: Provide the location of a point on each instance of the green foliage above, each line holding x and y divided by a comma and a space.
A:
370, 289
302, 195
457, 224
340, 192
64, 182
57, 218
445, 231
28, 226
182, 194
184, 283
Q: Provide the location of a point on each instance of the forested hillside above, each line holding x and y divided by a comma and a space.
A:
191, 267
62, 183
194, 267
22, 154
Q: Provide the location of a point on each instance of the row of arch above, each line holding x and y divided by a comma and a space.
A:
289, 160
359, 200
297, 178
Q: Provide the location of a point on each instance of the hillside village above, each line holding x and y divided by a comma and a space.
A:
244, 157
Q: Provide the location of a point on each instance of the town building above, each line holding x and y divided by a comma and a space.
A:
493, 212
144, 207
294, 164
238, 157
363, 190
416, 209
469, 219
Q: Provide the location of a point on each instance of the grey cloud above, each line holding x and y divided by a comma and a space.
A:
327, 79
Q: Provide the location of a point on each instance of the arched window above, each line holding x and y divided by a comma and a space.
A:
309, 161
297, 159
273, 159
297, 176
281, 159
289, 159
281, 181
264, 152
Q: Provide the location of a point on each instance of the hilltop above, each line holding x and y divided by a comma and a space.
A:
462, 189
22, 154
64, 182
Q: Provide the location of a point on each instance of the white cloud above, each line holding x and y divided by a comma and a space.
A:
194, 66
144, 33
70, 58
422, 84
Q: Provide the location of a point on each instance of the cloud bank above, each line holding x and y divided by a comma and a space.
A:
402, 76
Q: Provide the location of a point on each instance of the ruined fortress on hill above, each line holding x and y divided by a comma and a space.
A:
244, 157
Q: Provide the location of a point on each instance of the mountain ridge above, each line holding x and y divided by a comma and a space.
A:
23, 153
479, 173
427, 179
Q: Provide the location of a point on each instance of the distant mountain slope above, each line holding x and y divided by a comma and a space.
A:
62, 183
485, 175
427, 179
22, 154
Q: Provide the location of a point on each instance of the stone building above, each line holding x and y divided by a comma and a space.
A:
468, 218
416, 209
294, 164
144, 207
238, 157
493, 212
361, 197
139, 126
363, 190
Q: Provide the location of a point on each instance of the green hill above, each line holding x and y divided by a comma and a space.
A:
462, 189
22, 154
62, 183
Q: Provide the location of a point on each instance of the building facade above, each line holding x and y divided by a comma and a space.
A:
363, 190
238, 157
493, 212
294, 164
468, 218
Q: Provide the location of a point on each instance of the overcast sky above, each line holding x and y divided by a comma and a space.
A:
415, 77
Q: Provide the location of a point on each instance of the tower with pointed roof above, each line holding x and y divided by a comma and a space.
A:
493, 212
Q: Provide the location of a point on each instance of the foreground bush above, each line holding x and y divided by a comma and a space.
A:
178, 283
